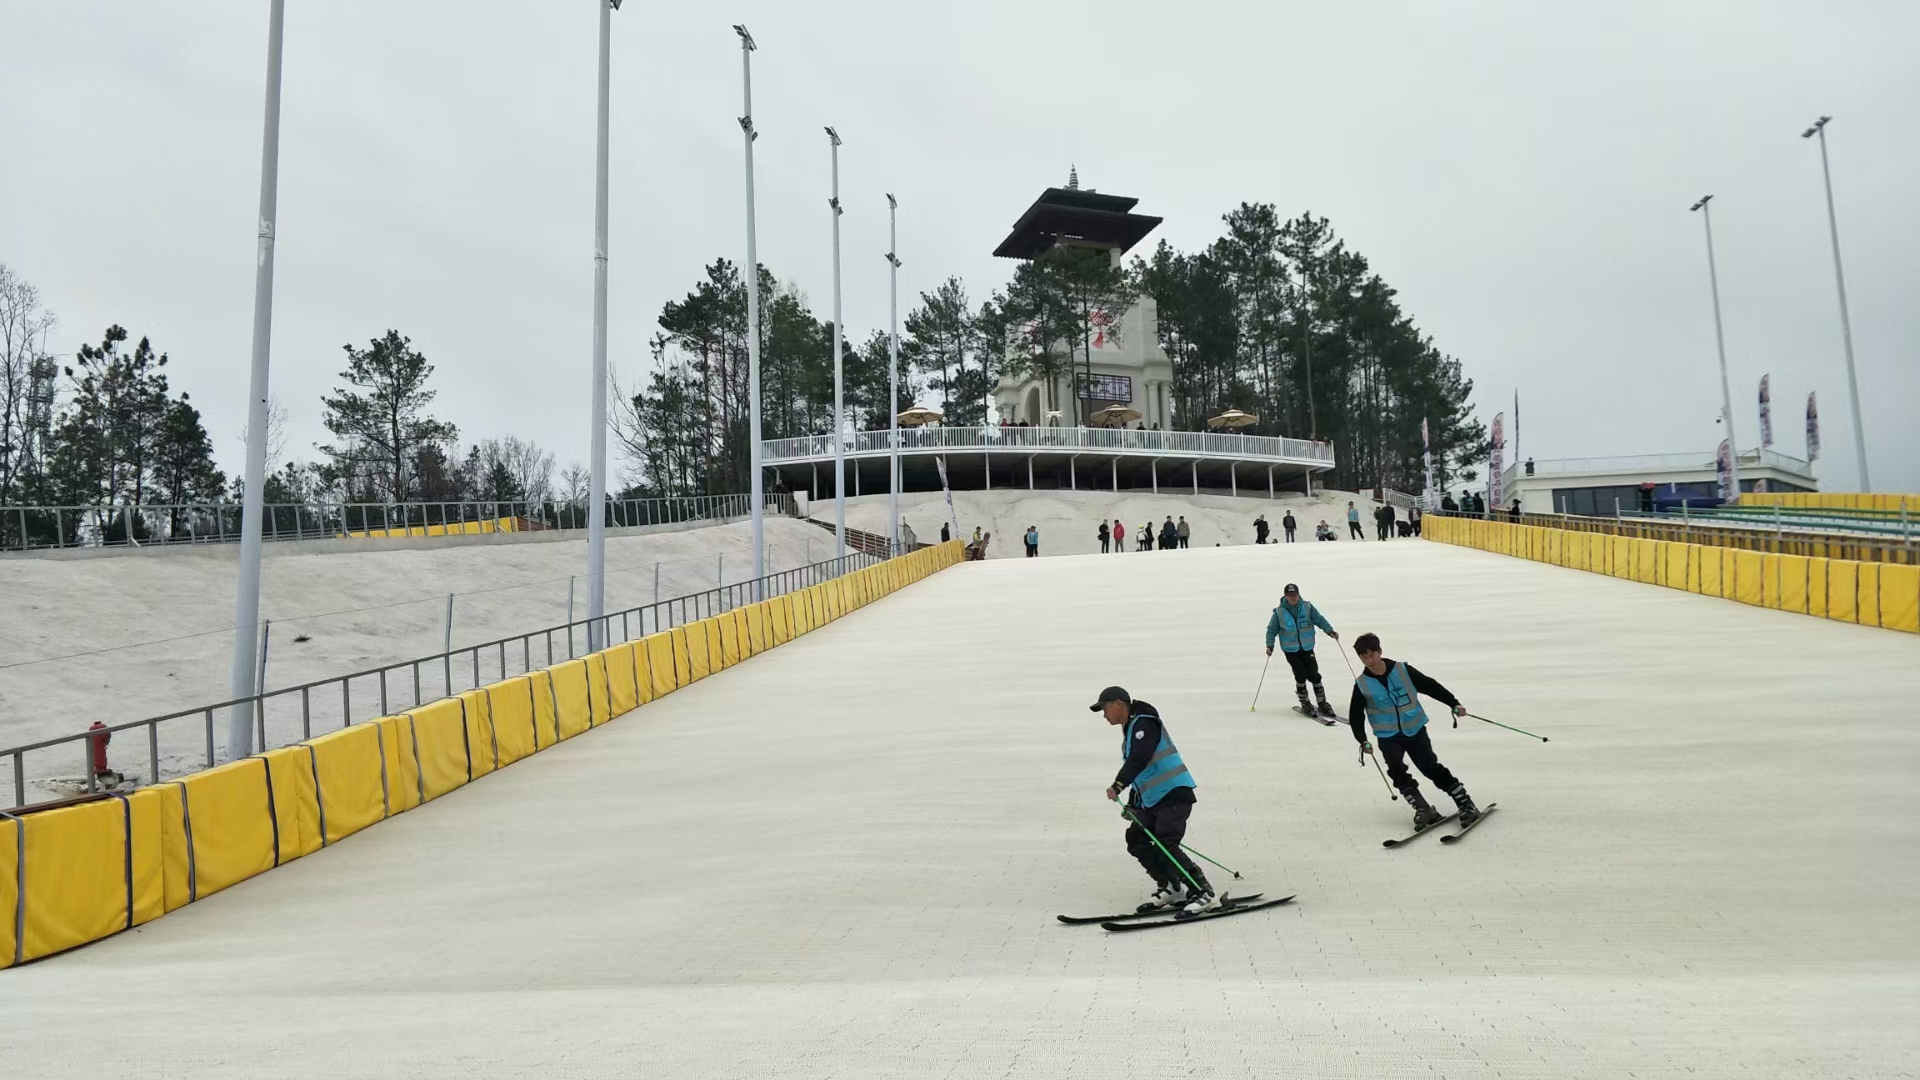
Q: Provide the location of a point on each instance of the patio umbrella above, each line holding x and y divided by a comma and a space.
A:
1115, 416
1232, 418
918, 416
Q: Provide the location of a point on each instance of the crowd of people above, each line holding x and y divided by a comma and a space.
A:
1170, 535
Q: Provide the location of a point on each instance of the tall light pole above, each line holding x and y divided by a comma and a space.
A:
752, 269
246, 615
597, 485
1846, 323
839, 405
893, 373
1720, 340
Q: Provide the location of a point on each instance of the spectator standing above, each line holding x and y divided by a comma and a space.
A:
1383, 520
1447, 503
1288, 524
1033, 541
946, 534
1103, 536
1119, 535
1354, 532
1413, 519
1184, 532
1515, 513
1169, 535
1260, 529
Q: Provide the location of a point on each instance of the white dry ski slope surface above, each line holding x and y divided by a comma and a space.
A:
844, 858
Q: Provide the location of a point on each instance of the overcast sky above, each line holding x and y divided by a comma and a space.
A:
1520, 171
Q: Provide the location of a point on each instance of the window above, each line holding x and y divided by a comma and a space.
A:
1115, 388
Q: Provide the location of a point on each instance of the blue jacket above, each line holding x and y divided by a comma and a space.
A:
1294, 627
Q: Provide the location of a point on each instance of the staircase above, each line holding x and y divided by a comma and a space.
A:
858, 540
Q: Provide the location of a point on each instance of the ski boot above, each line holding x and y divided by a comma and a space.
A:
1198, 903
1424, 814
1165, 898
1463, 802
1300, 691
1326, 707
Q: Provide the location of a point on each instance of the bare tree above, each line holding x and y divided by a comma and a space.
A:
532, 467
27, 383
276, 435
575, 484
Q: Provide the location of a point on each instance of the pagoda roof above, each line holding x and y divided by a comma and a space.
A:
1085, 218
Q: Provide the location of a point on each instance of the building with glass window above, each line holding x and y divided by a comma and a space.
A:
1643, 483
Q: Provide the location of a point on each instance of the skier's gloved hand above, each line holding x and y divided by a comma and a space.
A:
1459, 711
1113, 792
1366, 747
1269, 650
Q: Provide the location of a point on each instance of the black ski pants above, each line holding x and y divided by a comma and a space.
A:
1354, 532
1168, 820
1289, 534
1398, 748
1306, 669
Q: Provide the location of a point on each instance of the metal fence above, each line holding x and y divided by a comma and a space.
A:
1198, 444
293, 713
26, 528
1779, 536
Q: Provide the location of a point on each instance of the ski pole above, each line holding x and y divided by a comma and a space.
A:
1392, 795
1263, 682
1128, 810
1509, 727
1222, 866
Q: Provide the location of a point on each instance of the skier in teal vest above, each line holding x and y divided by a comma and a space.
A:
1162, 799
1292, 625
1386, 698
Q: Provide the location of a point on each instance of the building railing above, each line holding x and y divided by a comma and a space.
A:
1635, 463
27, 528
1198, 444
293, 713
1778, 536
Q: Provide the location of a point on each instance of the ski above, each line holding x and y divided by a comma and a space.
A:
1455, 837
1085, 920
1314, 716
1216, 913
1418, 832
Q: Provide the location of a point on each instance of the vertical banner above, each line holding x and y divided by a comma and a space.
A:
1766, 414
1813, 431
1516, 425
1723, 467
1429, 498
941, 461
1495, 463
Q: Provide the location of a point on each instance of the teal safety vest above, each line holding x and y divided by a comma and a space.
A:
1163, 773
1393, 708
1295, 630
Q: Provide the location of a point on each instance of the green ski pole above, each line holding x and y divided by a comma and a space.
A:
1509, 727
1128, 810
1228, 869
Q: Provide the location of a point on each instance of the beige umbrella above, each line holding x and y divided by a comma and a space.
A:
918, 416
1233, 418
1115, 416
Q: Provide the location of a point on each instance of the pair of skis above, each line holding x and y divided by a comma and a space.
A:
1319, 718
1450, 838
1150, 920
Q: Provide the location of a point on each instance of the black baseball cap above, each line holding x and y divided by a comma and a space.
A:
1111, 693
1291, 588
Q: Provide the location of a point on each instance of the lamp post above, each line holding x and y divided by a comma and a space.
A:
1720, 341
893, 373
1846, 323
752, 269
839, 406
244, 682
597, 482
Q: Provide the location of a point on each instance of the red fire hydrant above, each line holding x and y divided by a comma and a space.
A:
99, 746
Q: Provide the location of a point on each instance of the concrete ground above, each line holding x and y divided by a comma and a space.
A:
843, 859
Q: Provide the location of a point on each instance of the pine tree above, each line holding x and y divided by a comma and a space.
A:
379, 421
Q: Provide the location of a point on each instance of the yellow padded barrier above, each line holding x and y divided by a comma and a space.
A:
729, 639
1868, 605
1709, 572
755, 616
296, 802
569, 687
222, 833
1900, 598
1599, 553
802, 614
682, 662
1646, 561
1817, 587
440, 740
699, 660
782, 609
642, 671
1770, 580
89, 871
516, 725
835, 609
1729, 574
1793, 583
1693, 567
1747, 567
350, 771
623, 683
1843, 582
1620, 556
599, 688
822, 612
404, 789
660, 663
176, 855
483, 744
1679, 571
12, 839
546, 710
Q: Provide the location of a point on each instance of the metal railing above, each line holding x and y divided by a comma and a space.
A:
1685, 528
1641, 463
293, 713
27, 528
1197, 444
